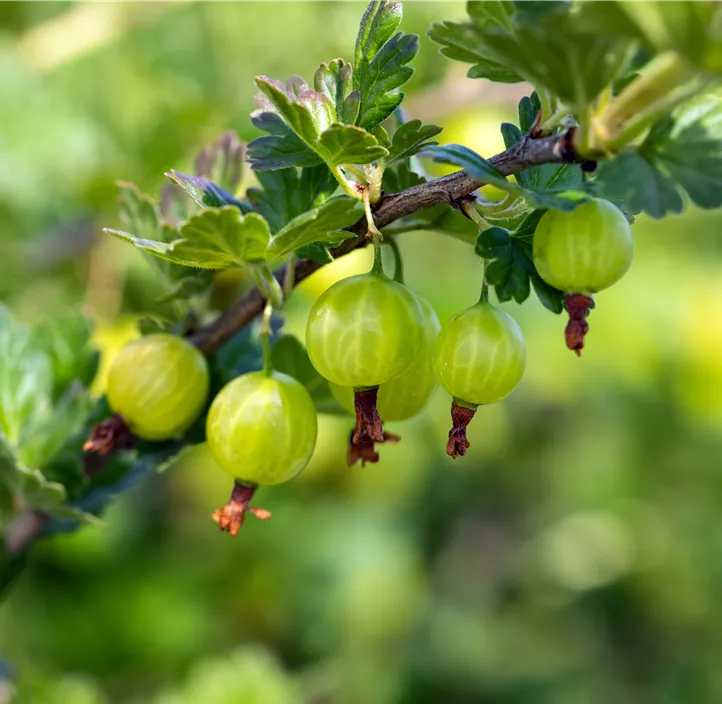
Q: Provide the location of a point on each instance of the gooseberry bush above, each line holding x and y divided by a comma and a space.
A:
623, 116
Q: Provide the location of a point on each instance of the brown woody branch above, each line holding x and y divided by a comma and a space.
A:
448, 189
529, 152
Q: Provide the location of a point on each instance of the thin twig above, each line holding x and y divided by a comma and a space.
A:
448, 189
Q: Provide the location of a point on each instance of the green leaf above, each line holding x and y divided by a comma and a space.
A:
120, 474
528, 110
219, 238
344, 144
464, 42
222, 164
349, 111
318, 251
399, 176
241, 354
533, 10
218, 174
378, 77
306, 112
67, 342
223, 238
382, 136
576, 66
682, 154
287, 193
333, 79
492, 13
34, 427
378, 24
557, 197
289, 356
139, 213
323, 224
409, 139
31, 489
474, 164
205, 192
691, 29
47, 436
311, 115
26, 381
380, 62
492, 242
507, 271
280, 152
511, 269
551, 298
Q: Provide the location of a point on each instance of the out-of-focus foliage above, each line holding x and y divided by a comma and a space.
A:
575, 555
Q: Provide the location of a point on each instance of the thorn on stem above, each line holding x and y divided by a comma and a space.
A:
230, 517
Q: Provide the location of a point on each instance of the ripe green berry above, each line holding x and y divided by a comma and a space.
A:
580, 253
261, 429
409, 393
479, 355
479, 358
364, 331
585, 250
159, 385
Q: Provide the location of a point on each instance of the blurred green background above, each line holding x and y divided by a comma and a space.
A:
573, 557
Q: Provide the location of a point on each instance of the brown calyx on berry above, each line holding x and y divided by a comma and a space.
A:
112, 434
460, 417
231, 516
368, 421
578, 306
365, 448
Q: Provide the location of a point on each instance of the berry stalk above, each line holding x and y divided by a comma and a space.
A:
460, 418
230, 518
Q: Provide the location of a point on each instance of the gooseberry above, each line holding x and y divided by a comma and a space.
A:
159, 385
479, 358
582, 252
261, 429
364, 331
409, 393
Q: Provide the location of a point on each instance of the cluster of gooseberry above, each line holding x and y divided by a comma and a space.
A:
382, 350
